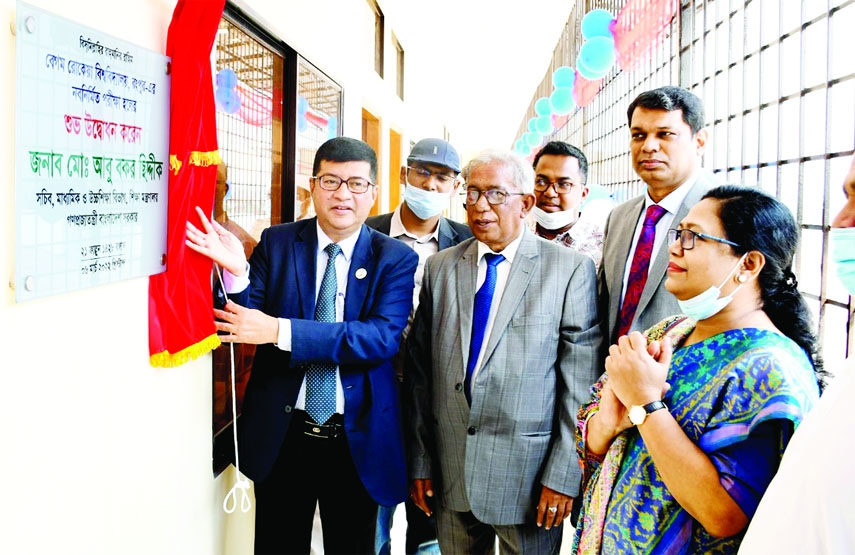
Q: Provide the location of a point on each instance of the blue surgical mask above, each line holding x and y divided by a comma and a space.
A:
425, 204
842, 250
709, 303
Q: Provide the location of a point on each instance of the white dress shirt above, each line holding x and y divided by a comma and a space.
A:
342, 267
503, 269
423, 246
671, 203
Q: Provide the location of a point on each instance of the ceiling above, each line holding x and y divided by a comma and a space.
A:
495, 55
474, 63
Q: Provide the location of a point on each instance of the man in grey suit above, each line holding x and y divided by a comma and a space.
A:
667, 141
501, 354
430, 180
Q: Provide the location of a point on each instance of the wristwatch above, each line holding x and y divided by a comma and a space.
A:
638, 413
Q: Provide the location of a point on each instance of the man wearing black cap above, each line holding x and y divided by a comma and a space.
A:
430, 180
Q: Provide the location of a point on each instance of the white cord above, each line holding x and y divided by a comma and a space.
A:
241, 483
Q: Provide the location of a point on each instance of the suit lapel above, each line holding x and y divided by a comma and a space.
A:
618, 261
445, 234
360, 275
305, 256
467, 273
522, 270
659, 264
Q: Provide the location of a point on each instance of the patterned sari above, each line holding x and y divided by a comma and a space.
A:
739, 396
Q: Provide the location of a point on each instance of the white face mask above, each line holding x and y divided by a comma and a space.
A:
842, 249
425, 204
708, 303
554, 220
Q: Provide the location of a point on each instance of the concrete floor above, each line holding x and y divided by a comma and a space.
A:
399, 527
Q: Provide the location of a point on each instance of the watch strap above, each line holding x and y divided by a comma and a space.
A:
654, 406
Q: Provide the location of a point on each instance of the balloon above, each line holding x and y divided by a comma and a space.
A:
597, 23
564, 76
302, 105
234, 103
532, 124
227, 100
597, 56
586, 73
302, 123
544, 124
226, 78
562, 101
542, 107
533, 139
524, 149
332, 127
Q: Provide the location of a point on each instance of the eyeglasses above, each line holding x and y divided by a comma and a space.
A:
687, 238
493, 196
333, 182
424, 174
560, 187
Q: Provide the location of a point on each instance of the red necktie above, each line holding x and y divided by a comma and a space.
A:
638, 269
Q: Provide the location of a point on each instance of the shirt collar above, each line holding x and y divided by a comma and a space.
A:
347, 245
675, 198
509, 252
396, 228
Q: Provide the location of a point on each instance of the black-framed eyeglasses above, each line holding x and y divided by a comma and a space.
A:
330, 182
561, 187
425, 174
493, 196
687, 238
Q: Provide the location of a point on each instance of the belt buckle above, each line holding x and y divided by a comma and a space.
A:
323, 431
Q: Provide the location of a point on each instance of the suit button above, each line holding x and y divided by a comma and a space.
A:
458, 387
471, 431
287, 409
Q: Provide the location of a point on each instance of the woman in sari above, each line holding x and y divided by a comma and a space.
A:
686, 428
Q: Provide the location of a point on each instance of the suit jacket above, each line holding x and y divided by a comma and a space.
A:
450, 232
655, 303
377, 303
539, 362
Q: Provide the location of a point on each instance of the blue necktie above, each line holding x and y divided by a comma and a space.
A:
320, 378
480, 316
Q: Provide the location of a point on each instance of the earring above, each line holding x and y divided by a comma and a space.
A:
742, 278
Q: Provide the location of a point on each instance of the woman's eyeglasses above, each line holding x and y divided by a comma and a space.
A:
687, 238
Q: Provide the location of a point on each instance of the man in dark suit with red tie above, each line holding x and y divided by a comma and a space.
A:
667, 142
326, 300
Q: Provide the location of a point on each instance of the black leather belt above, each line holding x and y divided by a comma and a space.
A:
333, 428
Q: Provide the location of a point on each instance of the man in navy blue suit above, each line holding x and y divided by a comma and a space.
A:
349, 462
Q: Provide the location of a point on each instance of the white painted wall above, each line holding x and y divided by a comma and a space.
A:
101, 454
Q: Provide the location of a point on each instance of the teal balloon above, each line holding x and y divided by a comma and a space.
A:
332, 127
597, 56
524, 149
562, 101
532, 124
542, 107
564, 76
533, 139
597, 23
588, 74
544, 125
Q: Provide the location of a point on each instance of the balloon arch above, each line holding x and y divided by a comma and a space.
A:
607, 41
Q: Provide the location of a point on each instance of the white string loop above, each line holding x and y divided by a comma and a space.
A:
230, 502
